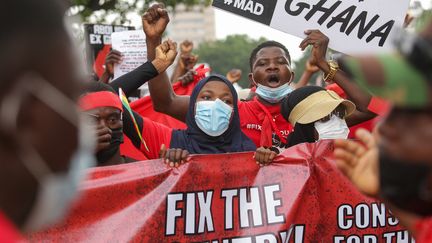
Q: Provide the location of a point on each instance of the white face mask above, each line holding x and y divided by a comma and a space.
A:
335, 128
57, 191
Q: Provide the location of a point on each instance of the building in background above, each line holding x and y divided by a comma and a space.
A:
196, 24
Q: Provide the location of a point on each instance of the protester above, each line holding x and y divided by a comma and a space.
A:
396, 166
213, 124
316, 114
113, 57
104, 110
253, 114
186, 62
43, 145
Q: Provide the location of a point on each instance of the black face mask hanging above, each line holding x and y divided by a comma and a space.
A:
116, 139
405, 184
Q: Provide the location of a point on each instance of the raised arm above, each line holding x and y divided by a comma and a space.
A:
185, 62
164, 99
134, 79
320, 42
360, 98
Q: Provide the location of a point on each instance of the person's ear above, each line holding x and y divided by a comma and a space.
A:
251, 79
292, 77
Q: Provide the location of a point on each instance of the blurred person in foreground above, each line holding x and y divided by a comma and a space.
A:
43, 146
396, 164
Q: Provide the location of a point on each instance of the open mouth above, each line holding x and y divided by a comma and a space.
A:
273, 80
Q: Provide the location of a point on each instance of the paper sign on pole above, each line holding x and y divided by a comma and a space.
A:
133, 46
353, 26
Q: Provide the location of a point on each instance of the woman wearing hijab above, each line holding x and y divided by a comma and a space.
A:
316, 114
213, 126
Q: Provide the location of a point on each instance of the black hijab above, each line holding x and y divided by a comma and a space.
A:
196, 141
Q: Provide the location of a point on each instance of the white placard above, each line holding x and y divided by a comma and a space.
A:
353, 26
133, 46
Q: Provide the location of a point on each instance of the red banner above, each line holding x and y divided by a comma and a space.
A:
301, 197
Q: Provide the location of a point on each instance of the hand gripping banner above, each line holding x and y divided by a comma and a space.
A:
227, 198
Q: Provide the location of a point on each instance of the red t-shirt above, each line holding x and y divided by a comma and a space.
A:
154, 134
8, 232
254, 119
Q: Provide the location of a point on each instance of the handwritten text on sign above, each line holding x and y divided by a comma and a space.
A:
134, 49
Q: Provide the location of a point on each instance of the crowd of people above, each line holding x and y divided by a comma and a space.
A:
53, 125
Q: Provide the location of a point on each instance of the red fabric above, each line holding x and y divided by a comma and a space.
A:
376, 105
155, 134
8, 232
379, 106
259, 122
144, 106
424, 230
99, 99
129, 150
301, 196
337, 89
98, 65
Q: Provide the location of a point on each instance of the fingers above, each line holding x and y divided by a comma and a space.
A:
186, 46
344, 157
350, 146
165, 46
313, 37
103, 130
264, 156
163, 13
171, 44
103, 137
174, 157
114, 57
366, 137
154, 13
184, 156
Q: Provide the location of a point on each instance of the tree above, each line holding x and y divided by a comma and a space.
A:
300, 65
102, 8
231, 52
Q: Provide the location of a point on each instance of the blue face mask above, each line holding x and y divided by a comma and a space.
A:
213, 117
273, 95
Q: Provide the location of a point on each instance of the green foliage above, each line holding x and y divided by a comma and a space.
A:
88, 8
300, 65
231, 52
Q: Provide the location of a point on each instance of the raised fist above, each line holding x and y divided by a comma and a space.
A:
155, 21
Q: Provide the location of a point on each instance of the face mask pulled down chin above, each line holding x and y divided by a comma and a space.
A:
335, 128
56, 191
273, 95
405, 184
116, 139
213, 117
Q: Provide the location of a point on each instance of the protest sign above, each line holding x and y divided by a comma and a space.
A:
353, 26
133, 47
227, 198
98, 44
